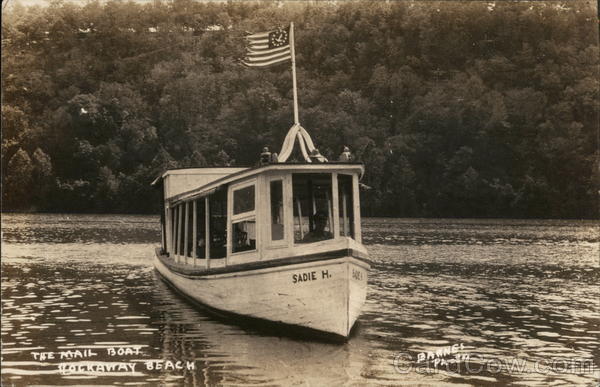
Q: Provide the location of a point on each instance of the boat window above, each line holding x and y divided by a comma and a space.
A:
201, 228
175, 228
218, 224
163, 222
312, 207
346, 205
244, 236
243, 200
189, 238
181, 229
277, 210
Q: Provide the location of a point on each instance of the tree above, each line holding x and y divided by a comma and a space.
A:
19, 181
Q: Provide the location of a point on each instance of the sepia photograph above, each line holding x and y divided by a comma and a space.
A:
300, 193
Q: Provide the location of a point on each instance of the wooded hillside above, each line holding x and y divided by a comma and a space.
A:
458, 109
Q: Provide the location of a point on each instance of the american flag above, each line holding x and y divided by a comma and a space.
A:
268, 48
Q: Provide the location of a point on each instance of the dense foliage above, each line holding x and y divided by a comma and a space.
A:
457, 109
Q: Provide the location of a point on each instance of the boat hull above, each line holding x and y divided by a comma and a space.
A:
321, 295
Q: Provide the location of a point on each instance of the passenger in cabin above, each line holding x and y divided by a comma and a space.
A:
241, 237
319, 233
201, 248
242, 240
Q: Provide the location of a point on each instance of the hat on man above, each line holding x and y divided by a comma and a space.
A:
320, 215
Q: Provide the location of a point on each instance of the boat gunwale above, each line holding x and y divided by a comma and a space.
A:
202, 273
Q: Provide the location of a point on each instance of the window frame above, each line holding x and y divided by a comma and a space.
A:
211, 231
233, 192
351, 220
333, 207
241, 217
200, 205
288, 219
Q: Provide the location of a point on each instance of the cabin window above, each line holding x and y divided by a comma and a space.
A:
243, 225
189, 229
181, 229
277, 228
243, 200
163, 222
313, 218
244, 236
174, 230
346, 205
201, 228
218, 224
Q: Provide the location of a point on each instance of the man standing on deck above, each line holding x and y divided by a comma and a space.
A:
319, 233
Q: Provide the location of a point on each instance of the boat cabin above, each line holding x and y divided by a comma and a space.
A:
218, 217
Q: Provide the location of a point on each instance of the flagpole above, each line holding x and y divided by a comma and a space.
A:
293, 52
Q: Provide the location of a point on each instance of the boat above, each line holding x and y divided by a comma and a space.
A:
279, 242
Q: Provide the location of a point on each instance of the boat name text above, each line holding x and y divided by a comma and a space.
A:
357, 275
310, 276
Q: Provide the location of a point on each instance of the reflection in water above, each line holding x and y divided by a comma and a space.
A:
503, 289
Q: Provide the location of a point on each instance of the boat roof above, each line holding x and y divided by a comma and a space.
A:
231, 174
199, 171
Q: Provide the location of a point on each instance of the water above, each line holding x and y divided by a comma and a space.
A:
501, 291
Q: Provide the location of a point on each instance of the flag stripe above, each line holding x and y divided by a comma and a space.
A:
258, 41
259, 47
267, 58
267, 52
268, 63
263, 58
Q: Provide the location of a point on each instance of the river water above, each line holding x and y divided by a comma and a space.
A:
511, 302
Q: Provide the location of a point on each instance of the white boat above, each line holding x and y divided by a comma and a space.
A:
279, 242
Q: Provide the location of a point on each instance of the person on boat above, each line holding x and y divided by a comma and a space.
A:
265, 156
201, 247
319, 233
346, 156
